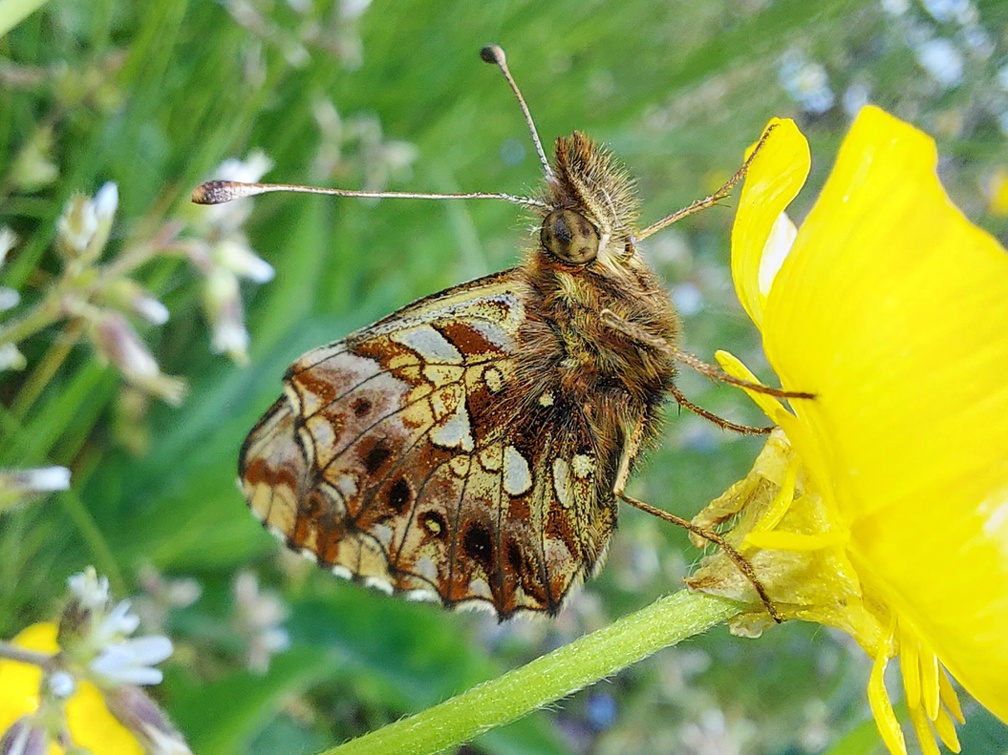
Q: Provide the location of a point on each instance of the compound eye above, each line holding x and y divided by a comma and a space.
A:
570, 237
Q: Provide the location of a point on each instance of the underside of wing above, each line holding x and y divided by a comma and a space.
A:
414, 457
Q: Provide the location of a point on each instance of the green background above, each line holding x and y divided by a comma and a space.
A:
155, 95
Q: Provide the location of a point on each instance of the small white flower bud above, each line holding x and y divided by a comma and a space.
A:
11, 358
223, 306
7, 241
236, 255
90, 590
19, 485
141, 715
259, 615
61, 684
76, 226
9, 298
106, 201
119, 343
126, 294
24, 737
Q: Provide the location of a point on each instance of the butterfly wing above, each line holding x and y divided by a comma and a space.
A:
420, 456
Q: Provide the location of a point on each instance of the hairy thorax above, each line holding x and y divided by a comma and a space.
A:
597, 335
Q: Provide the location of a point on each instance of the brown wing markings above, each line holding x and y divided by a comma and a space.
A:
300, 420
323, 407
444, 594
264, 464
407, 318
483, 328
499, 601
420, 433
369, 429
396, 467
461, 382
383, 372
455, 530
417, 498
539, 481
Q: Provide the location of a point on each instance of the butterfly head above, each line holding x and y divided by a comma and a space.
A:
593, 203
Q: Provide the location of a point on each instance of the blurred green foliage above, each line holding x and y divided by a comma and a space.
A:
155, 95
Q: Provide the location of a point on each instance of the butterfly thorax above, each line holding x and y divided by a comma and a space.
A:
608, 313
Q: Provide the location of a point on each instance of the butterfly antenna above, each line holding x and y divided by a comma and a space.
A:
495, 54
219, 192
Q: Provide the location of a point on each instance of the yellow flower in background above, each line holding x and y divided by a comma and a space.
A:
89, 721
997, 193
882, 506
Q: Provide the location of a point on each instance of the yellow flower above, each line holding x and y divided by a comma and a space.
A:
997, 192
90, 723
882, 507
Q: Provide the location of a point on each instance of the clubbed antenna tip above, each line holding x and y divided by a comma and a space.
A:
494, 55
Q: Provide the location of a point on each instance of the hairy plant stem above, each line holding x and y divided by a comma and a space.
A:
547, 679
12, 652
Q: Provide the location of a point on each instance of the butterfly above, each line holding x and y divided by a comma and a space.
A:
471, 447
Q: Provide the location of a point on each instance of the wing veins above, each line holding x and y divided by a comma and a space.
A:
455, 532
395, 468
372, 426
383, 371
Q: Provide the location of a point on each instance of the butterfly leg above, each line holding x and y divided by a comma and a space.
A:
713, 418
631, 447
737, 558
674, 353
715, 373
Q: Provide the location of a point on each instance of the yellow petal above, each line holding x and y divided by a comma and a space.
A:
920, 723
774, 178
893, 309
92, 726
19, 682
878, 700
950, 699
90, 723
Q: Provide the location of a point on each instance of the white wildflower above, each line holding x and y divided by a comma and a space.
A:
118, 342
258, 615
235, 254
11, 358
223, 306
61, 684
132, 661
90, 590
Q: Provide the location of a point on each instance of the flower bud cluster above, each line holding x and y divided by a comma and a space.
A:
90, 662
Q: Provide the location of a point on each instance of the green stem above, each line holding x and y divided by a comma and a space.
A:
45, 370
104, 558
45, 313
547, 679
13, 652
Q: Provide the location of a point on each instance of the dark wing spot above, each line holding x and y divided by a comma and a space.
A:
514, 557
478, 546
376, 457
399, 496
434, 522
361, 406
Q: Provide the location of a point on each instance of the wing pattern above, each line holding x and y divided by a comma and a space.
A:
414, 456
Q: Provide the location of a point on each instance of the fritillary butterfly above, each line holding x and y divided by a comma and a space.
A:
471, 447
